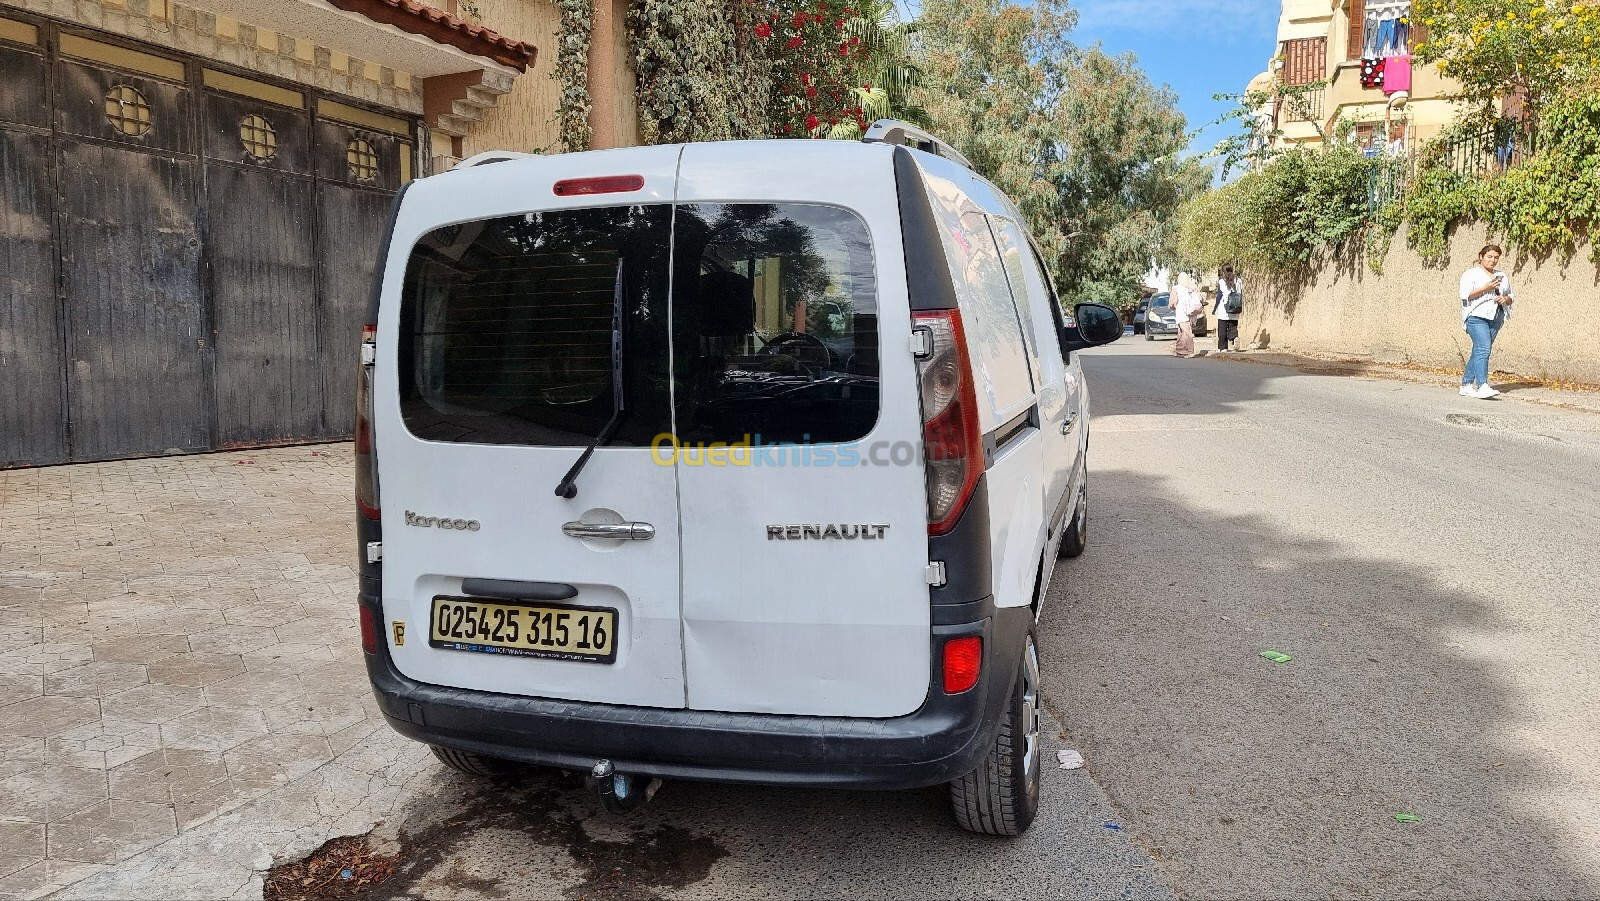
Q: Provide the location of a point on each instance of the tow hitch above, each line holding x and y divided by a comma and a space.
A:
620, 792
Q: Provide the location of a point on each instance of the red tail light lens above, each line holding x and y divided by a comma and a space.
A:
366, 452
369, 631
607, 184
963, 662
952, 447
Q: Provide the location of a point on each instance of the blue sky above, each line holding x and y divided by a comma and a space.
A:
1198, 47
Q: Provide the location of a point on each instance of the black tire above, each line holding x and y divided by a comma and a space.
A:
1077, 533
1001, 796
473, 764
1148, 336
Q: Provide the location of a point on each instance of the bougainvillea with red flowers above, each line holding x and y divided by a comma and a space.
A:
829, 59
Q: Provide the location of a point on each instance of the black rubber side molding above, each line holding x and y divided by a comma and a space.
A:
519, 591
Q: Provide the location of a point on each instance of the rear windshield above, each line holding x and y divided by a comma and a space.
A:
507, 332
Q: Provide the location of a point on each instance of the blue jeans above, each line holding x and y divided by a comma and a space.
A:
1482, 332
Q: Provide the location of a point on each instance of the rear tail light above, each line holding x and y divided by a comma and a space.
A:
369, 630
605, 184
366, 451
952, 448
963, 662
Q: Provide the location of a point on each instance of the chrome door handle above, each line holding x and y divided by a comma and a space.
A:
1072, 420
614, 531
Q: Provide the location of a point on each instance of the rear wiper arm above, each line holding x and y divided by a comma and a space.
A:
569, 482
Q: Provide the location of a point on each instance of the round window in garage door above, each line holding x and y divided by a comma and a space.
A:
259, 138
128, 111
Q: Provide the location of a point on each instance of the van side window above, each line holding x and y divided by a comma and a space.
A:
994, 335
775, 317
506, 326
1026, 292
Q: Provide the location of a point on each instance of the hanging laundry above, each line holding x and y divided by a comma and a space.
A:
1402, 36
1369, 36
1372, 73
1386, 35
1397, 74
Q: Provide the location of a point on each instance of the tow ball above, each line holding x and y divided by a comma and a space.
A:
620, 792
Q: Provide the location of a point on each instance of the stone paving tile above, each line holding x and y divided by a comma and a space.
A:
195, 669
111, 831
94, 680
214, 728
10, 863
177, 640
22, 840
16, 687
49, 793
140, 648
154, 703
44, 877
47, 715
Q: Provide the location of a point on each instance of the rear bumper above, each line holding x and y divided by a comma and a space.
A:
942, 741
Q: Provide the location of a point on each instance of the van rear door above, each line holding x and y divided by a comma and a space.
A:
510, 291
804, 556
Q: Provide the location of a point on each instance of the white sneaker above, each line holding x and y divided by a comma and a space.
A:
1484, 392
1469, 391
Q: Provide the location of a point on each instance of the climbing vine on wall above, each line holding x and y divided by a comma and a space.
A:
700, 78
572, 71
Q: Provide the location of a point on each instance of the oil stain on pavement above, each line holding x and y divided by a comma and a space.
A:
434, 857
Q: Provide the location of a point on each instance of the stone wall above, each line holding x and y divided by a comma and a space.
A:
1411, 313
524, 120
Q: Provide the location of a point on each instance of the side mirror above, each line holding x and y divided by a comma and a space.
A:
1094, 324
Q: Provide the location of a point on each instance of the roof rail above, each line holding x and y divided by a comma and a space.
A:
491, 156
893, 131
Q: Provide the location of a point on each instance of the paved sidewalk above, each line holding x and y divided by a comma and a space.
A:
1574, 397
179, 638
183, 705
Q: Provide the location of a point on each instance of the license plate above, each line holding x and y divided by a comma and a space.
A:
559, 631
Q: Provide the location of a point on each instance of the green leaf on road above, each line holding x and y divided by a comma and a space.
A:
1276, 657
1407, 818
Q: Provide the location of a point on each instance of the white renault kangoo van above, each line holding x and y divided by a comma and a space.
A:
743, 461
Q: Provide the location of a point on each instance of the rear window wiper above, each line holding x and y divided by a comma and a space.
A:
569, 482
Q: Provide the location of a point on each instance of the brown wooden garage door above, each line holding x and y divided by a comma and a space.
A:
185, 253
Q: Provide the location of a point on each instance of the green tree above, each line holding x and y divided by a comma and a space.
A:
1538, 49
1081, 140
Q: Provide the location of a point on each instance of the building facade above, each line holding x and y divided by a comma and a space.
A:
1361, 51
192, 196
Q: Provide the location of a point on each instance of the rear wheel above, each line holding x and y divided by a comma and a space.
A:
1001, 796
473, 764
1077, 536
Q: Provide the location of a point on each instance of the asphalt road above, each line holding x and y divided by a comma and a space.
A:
1428, 562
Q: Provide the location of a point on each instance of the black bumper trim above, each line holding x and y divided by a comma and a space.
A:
943, 740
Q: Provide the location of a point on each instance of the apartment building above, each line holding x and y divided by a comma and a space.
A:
1361, 50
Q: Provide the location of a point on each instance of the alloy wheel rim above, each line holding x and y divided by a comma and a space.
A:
1083, 514
1031, 718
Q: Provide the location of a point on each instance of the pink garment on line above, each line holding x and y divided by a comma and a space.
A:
1397, 74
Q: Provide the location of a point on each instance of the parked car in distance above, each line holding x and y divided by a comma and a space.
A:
570, 566
1155, 318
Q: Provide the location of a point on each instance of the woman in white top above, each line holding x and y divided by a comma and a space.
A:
1486, 298
1186, 305
1228, 285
